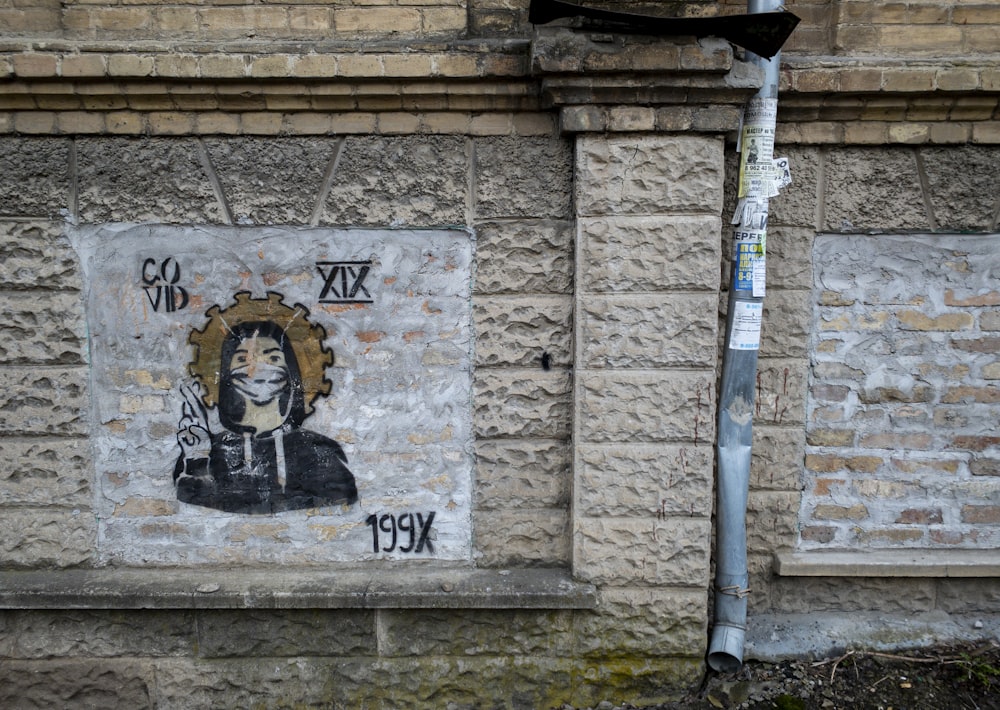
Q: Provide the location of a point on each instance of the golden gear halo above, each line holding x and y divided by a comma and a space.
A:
305, 338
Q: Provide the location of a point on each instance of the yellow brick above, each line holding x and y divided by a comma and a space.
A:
195, 102
122, 19
444, 19
986, 133
29, 20
957, 79
866, 133
446, 122
908, 80
130, 65
169, 123
504, 65
377, 20
222, 66
315, 65
77, 65
126, 123
34, 122
271, 67
314, 19
990, 79
980, 38
34, 64
910, 38
856, 39
81, 122
359, 65
950, 132
354, 122
816, 80
177, 19
217, 122
229, 21
308, 124
398, 122
59, 102
261, 123
534, 124
888, 109
983, 14
406, 65
180, 66
6, 122
455, 65
930, 14
861, 80
492, 124
910, 133
282, 102
973, 108
104, 103
6, 67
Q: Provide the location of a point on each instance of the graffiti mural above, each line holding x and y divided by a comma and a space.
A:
279, 395
260, 364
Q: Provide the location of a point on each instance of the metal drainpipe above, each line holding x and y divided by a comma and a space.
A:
739, 365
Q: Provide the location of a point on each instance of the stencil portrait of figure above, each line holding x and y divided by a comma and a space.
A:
259, 367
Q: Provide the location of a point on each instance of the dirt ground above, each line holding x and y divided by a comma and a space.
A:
963, 677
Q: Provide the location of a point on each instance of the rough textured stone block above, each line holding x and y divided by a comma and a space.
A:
144, 180
968, 596
524, 257
415, 181
523, 177
522, 403
42, 401
646, 175
36, 255
958, 178
796, 205
76, 683
640, 481
813, 594
34, 177
787, 324
649, 331
272, 180
476, 632
47, 634
776, 462
873, 188
533, 473
646, 406
522, 538
278, 633
46, 537
621, 254
521, 330
42, 328
39, 471
789, 258
624, 552
669, 622
772, 521
781, 391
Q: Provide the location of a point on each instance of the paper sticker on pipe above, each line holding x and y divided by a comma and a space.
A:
747, 319
757, 147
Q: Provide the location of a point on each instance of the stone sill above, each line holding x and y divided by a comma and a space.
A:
381, 588
889, 563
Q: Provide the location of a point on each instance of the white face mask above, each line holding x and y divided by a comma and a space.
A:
268, 381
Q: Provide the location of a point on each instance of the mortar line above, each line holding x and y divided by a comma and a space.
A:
213, 179
327, 186
925, 191
820, 211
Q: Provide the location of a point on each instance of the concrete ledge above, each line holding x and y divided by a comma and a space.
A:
889, 563
398, 588
774, 637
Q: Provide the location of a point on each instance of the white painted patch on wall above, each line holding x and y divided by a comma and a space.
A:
223, 433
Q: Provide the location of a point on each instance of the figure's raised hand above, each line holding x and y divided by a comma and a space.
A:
195, 427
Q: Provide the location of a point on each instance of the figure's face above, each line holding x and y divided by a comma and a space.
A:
259, 370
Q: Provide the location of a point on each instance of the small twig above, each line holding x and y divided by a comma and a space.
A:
872, 686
